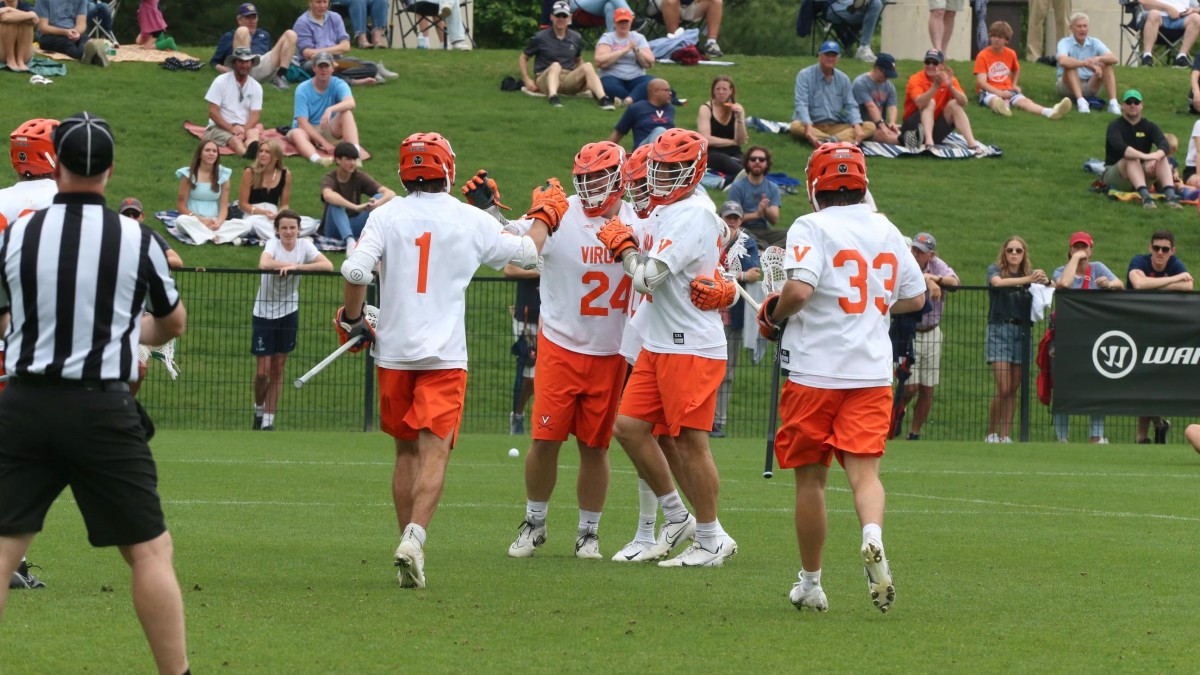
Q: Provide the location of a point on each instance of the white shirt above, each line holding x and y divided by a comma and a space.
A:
279, 296
429, 247
685, 236
27, 195
859, 266
235, 100
631, 339
1191, 146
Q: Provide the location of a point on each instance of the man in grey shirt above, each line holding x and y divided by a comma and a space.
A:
876, 98
825, 107
558, 64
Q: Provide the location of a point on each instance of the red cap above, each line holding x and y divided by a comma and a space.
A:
1081, 238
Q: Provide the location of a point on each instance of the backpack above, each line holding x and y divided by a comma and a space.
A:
1045, 356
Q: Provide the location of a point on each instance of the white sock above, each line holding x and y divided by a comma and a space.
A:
1147, 54
672, 506
359, 149
707, 532
1046, 112
258, 409
268, 419
711, 42
1080, 102
314, 158
589, 521
535, 512
872, 531
416, 532
647, 512
810, 579
1113, 101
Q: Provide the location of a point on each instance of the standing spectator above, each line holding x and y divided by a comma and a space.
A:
927, 346
734, 318
1082, 272
1178, 15
275, 56
647, 119
623, 57
17, 21
996, 73
235, 102
759, 197
342, 191
860, 14
1157, 270
934, 106
722, 122
62, 28
825, 109
941, 21
323, 113
1130, 163
277, 311
876, 98
1009, 279
708, 11
100, 449
1036, 39
203, 198
377, 10
526, 313
558, 65
1085, 63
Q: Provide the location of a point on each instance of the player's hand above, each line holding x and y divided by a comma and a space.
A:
549, 204
709, 293
766, 326
482, 191
349, 330
617, 237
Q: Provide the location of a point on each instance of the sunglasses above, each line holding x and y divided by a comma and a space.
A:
933, 63
1132, 101
1014, 250
130, 213
1161, 249
757, 159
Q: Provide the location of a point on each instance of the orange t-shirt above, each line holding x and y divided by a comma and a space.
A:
999, 68
919, 84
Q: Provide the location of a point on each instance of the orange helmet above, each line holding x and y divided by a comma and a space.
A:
597, 175
834, 167
676, 164
426, 157
636, 185
32, 148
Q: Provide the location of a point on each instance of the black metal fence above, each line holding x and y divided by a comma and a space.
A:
215, 387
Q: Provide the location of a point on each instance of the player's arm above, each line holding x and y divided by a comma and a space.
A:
909, 305
161, 330
792, 298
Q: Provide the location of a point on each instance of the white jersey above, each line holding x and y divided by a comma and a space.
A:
859, 266
685, 236
279, 296
28, 195
585, 293
631, 339
429, 246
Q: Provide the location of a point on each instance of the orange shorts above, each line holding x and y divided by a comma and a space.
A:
816, 423
577, 394
411, 400
673, 390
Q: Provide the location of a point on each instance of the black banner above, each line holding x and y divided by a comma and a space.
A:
1127, 353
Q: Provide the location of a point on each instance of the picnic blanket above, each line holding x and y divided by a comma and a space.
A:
44, 66
1188, 195
130, 54
167, 218
270, 134
953, 147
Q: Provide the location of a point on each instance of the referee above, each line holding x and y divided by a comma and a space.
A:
75, 280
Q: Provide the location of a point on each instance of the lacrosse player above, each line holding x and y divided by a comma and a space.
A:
428, 246
847, 267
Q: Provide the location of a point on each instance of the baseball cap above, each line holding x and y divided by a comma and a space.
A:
1081, 238
247, 9
244, 54
887, 63
131, 204
924, 242
84, 144
830, 46
731, 207
622, 14
322, 57
563, 8
935, 55
1132, 93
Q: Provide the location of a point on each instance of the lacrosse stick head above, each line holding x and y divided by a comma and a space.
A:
732, 262
370, 313
771, 265
163, 353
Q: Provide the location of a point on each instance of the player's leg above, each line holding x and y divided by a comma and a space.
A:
541, 474
12, 552
595, 412
158, 601
591, 489
643, 547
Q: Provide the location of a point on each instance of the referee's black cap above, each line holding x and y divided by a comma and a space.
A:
84, 144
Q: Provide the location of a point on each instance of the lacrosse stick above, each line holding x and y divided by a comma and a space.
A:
165, 354
774, 276
732, 266
371, 316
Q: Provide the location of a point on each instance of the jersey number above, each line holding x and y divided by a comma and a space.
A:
619, 300
858, 281
422, 243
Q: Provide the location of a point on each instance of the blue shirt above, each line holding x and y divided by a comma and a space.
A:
204, 201
312, 104
749, 196
1142, 262
1091, 47
643, 118
313, 35
820, 100
260, 43
61, 13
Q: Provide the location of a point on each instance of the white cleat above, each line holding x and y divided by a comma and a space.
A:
879, 575
529, 537
587, 546
672, 535
813, 598
411, 561
638, 551
696, 555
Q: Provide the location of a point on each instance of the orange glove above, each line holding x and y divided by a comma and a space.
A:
617, 237
709, 293
549, 204
348, 330
767, 327
482, 191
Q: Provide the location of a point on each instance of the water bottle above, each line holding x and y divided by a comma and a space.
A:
110, 48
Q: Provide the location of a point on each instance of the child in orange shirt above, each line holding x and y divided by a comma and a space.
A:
996, 73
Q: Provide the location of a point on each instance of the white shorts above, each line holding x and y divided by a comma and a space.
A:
948, 5
928, 351
689, 13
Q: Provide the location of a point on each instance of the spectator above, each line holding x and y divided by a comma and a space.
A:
1157, 270
1189, 163
266, 190
152, 27
454, 29
276, 313
203, 200
323, 113
359, 11
558, 65
860, 14
235, 102
934, 106
647, 119
708, 11
825, 108
759, 197
1009, 279
1176, 15
132, 208
941, 22
101, 13
319, 30
526, 312
996, 73
722, 122
927, 347
734, 317
607, 8
1129, 162
342, 191
62, 28
17, 21
1036, 38
275, 58
876, 98
623, 57
1085, 63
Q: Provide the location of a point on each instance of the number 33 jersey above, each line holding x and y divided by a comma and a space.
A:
858, 265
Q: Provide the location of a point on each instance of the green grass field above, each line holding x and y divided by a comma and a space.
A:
1031, 558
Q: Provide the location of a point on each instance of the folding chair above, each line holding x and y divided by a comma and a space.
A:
1131, 35
409, 13
97, 30
590, 26
652, 25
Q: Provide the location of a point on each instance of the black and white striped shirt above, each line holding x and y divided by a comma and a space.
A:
76, 278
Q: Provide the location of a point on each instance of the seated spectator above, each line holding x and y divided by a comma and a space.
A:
708, 11
152, 27
1175, 15
876, 98
759, 197
623, 57
825, 108
342, 191
320, 31
62, 28
734, 318
558, 65
235, 103
203, 199
1084, 63
274, 61
1131, 162
605, 8
17, 21
647, 119
455, 31
935, 106
861, 14
100, 12
722, 122
359, 11
1190, 176
996, 75
265, 190
323, 112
